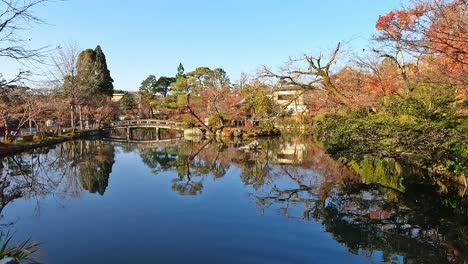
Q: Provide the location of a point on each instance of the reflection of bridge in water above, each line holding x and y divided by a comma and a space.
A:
151, 126
144, 144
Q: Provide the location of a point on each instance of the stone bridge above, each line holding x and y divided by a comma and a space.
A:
146, 123
129, 125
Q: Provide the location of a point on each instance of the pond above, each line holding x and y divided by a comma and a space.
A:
99, 201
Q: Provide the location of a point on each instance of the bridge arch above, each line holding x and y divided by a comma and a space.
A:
129, 125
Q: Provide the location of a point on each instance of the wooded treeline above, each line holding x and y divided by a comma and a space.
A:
404, 96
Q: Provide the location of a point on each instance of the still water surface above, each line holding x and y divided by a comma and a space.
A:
95, 201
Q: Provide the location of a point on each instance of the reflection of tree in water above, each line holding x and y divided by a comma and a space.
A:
8, 192
62, 170
95, 166
32, 174
193, 162
377, 213
436, 213
360, 216
288, 187
255, 165
408, 219
160, 158
191, 170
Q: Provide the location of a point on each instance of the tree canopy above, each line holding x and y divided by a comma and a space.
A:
93, 74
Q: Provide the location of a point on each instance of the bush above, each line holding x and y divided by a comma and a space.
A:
457, 160
425, 130
266, 124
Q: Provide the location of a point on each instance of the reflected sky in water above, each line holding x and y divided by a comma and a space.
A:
97, 201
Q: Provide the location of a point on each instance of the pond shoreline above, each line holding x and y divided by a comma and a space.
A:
9, 149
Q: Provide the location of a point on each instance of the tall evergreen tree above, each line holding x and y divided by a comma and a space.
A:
85, 71
93, 74
103, 78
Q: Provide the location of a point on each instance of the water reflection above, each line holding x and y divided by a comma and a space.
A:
379, 209
142, 134
95, 166
64, 170
193, 162
361, 217
386, 210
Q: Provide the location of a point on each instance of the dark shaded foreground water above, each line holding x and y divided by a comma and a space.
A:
102, 202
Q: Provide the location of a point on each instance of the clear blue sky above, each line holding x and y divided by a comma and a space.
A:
143, 37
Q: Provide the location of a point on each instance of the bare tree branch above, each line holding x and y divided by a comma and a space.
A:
15, 17
314, 77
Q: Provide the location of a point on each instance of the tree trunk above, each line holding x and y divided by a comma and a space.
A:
72, 119
81, 118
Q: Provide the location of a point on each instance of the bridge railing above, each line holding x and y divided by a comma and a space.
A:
150, 122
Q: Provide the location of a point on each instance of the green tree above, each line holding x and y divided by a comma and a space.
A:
220, 77
148, 85
258, 102
93, 74
154, 86
179, 89
103, 78
204, 93
163, 85
200, 79
147, 92
127, 102
180, 71
151, 87
85, 72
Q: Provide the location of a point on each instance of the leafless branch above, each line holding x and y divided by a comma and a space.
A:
315, 76
15, 17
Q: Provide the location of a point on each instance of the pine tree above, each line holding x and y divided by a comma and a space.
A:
180, 71
149, 85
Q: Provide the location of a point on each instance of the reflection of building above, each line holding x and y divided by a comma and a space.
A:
290, 153
291, 97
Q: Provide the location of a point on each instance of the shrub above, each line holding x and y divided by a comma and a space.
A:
426, 129
188, 123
